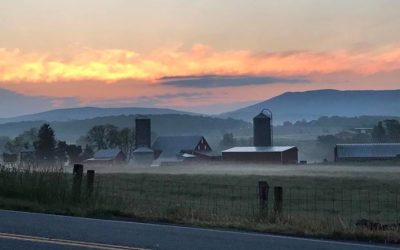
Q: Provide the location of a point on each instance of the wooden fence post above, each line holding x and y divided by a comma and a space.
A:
89, 182
278, 200
77, 182
263, 189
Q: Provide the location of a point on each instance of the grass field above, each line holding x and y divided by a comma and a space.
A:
385, 171
318, 200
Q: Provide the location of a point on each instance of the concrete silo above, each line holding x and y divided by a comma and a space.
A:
262, 129
143, 132
143, 155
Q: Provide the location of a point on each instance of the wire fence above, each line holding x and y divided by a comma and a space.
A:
342, 207
173, 200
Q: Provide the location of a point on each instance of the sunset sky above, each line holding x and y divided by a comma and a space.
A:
207, 56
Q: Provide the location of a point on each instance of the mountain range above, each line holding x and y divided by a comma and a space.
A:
309, 105
290, 106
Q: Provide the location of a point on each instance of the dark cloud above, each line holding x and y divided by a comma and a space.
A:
213, 81
185, 95
154, 100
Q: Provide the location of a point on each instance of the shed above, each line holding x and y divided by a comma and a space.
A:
143, 156
369, 151
274, 154
107, 156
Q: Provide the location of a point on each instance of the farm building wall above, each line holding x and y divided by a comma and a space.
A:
288, 156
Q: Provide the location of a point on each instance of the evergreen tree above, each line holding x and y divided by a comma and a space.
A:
61, 151
74, 153
45, 146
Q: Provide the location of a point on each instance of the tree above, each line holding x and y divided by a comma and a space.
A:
3, 142
74, 153
96, 137
113, 139
393, 130
227, 141
379, 133
22, 142
45, 146
127, 141
87, 153
61, 151
103, 137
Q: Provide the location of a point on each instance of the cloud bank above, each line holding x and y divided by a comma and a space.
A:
109, 66
180, 78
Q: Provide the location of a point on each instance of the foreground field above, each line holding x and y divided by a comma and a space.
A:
317, 200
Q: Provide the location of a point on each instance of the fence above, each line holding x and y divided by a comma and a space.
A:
336, 207
182, 200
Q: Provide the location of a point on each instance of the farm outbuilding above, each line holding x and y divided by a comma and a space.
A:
274, 154
263, 149
370, 151
107, 157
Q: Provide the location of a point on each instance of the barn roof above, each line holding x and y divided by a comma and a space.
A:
106, 154
378, 150
143, 150
173, 145
273, 149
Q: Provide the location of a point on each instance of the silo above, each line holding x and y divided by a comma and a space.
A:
143, 132
262, 125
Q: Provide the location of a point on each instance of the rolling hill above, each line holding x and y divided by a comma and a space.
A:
294, 106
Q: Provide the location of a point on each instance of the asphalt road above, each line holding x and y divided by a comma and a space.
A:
20, 230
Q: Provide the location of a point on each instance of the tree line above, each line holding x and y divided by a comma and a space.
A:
43, 144
386, 131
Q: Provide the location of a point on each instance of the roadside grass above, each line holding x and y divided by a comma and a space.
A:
313, 206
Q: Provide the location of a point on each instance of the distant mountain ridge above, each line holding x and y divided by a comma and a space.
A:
290, 106
294, 106
83, 113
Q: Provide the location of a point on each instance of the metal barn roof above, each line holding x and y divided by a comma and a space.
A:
143, 150
106, 154
380, 150
272, 149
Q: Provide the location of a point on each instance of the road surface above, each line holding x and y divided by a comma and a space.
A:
21, 230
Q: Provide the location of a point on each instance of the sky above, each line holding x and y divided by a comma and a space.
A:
205, 56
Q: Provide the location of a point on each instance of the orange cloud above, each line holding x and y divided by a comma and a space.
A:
114, 65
